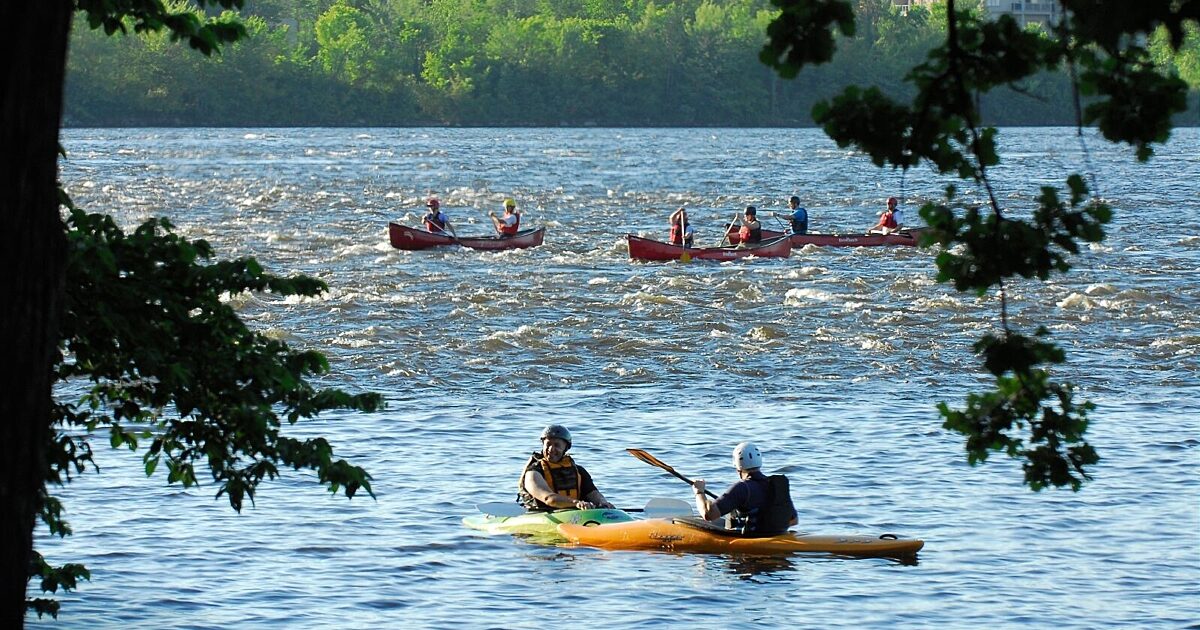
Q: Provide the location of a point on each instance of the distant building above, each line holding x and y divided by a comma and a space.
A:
905, 5
1042, 12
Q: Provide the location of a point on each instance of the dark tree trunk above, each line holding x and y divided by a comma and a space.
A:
32, 258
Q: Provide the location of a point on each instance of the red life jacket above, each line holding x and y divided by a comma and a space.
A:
889, 220
511, 230
748, 235
434, 223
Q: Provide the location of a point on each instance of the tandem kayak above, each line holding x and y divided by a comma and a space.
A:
699, 536
411, 238
545, 523
641, 248
906, 236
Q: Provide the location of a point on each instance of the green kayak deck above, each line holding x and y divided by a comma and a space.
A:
544, 523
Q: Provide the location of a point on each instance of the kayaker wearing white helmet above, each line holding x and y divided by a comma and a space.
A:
757, 504
553, 481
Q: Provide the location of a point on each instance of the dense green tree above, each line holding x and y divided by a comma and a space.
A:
343, 34
1184, 59
414, 62
655, 66
1101, 43
134, 320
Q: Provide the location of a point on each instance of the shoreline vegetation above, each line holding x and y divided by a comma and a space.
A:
1180, 125
516, 63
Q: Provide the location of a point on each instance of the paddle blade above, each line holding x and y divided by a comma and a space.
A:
648, 458
654, 461
667, 508
685, 257
501, 509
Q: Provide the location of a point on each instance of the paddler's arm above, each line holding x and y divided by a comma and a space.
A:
597, 499
588, 486
536, 486
705, 507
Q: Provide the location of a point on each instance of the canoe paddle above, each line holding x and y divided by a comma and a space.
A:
724, 237
655, 508
653, 461
685, 257
787, 225
449, 234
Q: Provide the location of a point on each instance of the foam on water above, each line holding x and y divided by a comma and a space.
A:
832, 360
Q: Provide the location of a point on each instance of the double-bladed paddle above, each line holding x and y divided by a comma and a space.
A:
654, 461
655, 508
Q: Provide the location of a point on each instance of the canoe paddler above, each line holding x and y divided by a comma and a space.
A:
890, 220
798, 217
553, 481
682, 232
509, 223
751, 230
756, 504
435, 220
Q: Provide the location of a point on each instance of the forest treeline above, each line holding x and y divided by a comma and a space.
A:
513, 62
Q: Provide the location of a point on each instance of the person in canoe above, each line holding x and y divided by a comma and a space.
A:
435, 220
799, 216
757, 505
553, 481
510, 223
750, 233
681, 229
890, 220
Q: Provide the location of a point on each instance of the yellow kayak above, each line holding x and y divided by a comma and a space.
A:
696, 535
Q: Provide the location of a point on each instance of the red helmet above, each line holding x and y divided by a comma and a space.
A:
433, 203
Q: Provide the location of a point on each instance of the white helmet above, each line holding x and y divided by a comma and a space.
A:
746, 456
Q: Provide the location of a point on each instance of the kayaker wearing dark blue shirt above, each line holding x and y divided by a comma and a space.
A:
553, 481
758, 505
799, 216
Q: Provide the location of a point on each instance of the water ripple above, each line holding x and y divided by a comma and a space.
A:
832, 360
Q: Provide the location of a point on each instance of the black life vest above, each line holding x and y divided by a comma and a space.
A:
799, 222
773, 517
776, 516
750, 235
756, 234
562, 477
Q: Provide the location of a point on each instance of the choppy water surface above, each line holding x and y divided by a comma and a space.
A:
832, 360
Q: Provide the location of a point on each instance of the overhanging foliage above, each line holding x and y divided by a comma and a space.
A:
1103, 44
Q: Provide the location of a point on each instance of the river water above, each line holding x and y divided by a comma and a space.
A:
832, 361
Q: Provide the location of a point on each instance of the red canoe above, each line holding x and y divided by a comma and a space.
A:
903, 237
404, 237
649, 249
